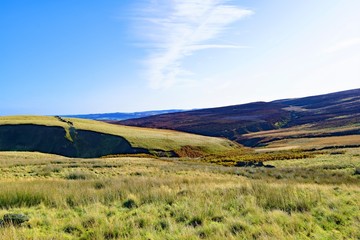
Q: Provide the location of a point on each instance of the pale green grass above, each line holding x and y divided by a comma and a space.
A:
146, 198
162, 139
39, 120
5, 155
336, 167
349, 159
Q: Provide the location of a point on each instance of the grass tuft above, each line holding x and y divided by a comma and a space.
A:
78, 176
131, 202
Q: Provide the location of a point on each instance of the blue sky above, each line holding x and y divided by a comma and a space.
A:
87, 56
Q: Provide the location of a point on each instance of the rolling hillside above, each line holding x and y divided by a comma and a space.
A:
87, 138
328, 115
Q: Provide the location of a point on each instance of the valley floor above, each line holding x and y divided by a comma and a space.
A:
145, 198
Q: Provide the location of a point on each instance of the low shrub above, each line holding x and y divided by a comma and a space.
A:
78, 176
131, 202
195, 222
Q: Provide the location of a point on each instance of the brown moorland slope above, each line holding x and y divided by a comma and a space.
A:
328, 115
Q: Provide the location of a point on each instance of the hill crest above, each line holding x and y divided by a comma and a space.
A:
87, 138
333, 110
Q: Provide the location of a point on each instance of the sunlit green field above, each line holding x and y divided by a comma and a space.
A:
153, 139
148, 198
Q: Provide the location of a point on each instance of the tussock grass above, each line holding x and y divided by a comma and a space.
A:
230, 159
77, 175
147, 198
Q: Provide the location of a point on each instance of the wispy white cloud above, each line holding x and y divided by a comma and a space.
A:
178, 28
343, 45
209, 46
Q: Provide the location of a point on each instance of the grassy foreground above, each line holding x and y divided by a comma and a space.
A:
145, 198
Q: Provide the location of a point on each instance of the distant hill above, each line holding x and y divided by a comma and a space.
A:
73, 137
121, 116
330, 112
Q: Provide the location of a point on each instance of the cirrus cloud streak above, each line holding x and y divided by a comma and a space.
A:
178, 28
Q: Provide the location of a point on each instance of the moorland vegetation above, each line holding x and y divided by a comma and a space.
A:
314, 197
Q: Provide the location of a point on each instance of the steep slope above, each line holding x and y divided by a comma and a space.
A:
86, 138
334, 110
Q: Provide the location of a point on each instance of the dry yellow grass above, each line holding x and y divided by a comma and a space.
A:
299, 130
307, 143
273, 149
144, 198
28, 119
27, 155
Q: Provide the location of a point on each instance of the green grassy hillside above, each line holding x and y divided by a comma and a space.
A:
88, 138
